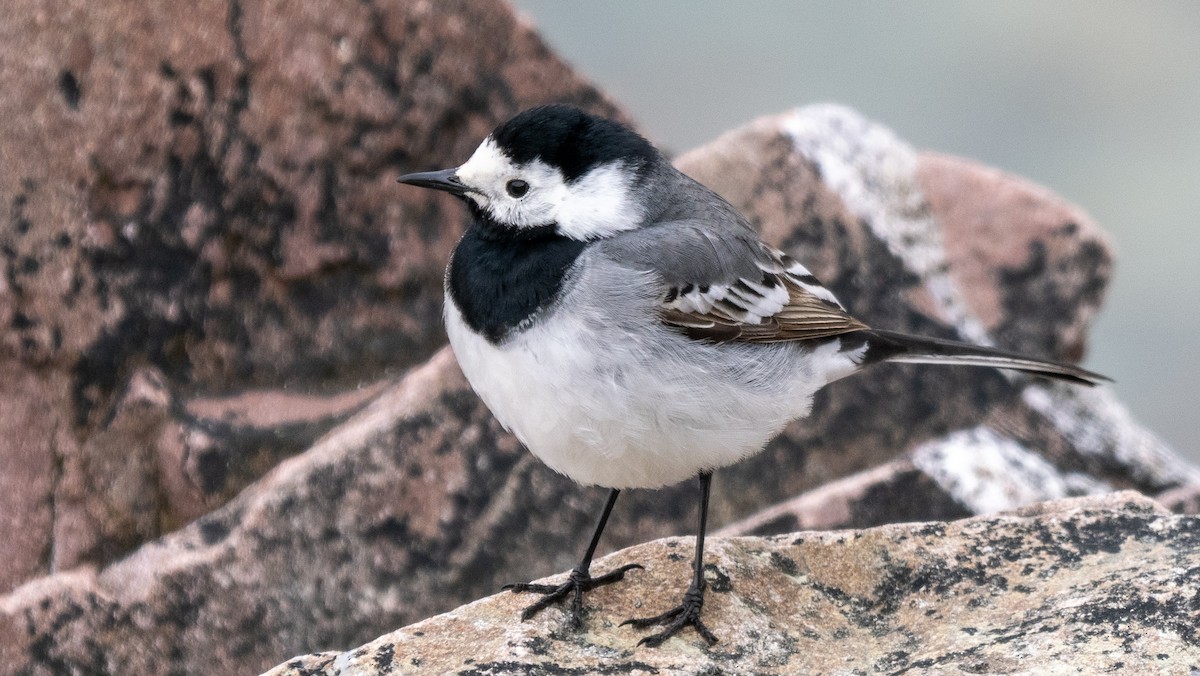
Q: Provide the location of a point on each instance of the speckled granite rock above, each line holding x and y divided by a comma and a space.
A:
969, 471
1093, 585
893, 492
420, 502
1182, 500
207, 189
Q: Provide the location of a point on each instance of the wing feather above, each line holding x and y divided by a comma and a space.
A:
720, 282
786, 303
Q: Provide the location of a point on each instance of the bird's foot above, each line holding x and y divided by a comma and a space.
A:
675, 619
577, 583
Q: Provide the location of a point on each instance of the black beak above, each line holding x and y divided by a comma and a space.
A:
445, 180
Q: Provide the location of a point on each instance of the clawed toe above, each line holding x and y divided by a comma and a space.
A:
614, 576
681, 621
684, 615
523, 587
577, 583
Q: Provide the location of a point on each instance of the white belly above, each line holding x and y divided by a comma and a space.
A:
606, 400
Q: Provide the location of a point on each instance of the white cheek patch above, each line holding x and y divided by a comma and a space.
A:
600, 203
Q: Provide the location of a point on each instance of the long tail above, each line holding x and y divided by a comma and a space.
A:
901, 347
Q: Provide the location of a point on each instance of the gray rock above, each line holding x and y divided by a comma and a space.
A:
1091, 585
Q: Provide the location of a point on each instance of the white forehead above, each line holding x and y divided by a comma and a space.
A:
487, 164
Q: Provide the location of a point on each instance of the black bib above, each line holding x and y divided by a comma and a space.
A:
500, 277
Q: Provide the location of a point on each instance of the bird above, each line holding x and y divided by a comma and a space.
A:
631, 328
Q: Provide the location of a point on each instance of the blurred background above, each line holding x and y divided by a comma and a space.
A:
1098, 101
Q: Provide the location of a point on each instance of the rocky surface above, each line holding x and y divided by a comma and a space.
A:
970, 471
211, 197
209, 270
419, 501
1093, 585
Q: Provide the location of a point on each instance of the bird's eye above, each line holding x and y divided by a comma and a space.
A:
517, 187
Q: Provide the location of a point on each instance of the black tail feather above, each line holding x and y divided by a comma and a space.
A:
900, 347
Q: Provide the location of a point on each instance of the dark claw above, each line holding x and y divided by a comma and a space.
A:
577, 583
675, 619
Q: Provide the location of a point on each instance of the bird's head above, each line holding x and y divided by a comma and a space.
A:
554, 167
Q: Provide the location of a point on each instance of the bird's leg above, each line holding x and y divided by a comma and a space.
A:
580, 579
688, 612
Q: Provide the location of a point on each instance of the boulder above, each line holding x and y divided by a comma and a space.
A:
207, 190
1086, 585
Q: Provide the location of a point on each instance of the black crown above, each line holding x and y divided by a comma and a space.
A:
571, 140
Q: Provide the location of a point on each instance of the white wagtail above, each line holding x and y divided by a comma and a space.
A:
632, 330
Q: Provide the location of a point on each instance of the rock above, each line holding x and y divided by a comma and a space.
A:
419, 502
848, 198
106, 499
333, 544
1014, 252
1090, 585
1182, 500
895, 492
214, 446
972, 471
216, 200
31, 444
